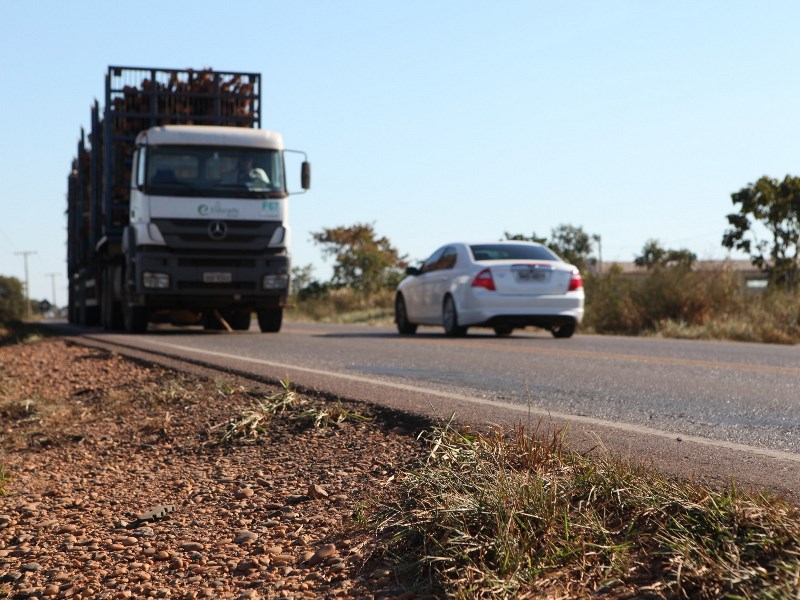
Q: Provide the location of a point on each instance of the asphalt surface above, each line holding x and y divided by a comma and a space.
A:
710, 410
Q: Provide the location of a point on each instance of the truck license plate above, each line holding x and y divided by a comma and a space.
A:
217, 278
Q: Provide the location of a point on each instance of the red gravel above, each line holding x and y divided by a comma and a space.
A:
90, 441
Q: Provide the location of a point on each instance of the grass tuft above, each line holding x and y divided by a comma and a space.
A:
5, 478
253, 422
520, 516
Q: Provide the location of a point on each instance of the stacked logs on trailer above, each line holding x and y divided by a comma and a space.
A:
186, 98
197, 98
139, 98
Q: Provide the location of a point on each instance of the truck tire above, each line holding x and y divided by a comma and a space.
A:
134, 317
240, 320
110, 311
270, 320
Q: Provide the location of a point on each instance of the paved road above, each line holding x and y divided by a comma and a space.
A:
728, 403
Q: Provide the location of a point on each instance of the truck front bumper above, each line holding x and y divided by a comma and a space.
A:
200, 281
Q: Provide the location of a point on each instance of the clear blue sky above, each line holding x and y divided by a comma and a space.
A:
434, 119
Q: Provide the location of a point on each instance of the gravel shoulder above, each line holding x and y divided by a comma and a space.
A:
116, 488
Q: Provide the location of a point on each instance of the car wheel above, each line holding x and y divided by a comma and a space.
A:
404, 326
563, 330
450, 318
503, 331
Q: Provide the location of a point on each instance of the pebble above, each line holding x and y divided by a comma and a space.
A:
245, 537
326, 551
317, 491
192, 546
242, 493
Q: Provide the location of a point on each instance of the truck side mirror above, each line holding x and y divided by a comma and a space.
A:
305, 175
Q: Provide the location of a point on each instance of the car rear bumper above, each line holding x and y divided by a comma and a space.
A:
520, 311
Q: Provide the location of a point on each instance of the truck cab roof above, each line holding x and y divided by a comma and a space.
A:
210, 135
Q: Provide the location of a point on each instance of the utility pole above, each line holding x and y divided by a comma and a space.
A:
596, 237
52, 277
27, 288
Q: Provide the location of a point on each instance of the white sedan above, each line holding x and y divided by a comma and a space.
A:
502, 285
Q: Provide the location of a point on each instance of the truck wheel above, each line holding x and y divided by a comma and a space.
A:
270, 319
134, 317
239, 320
110, 311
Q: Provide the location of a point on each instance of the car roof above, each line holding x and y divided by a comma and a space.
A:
485, 242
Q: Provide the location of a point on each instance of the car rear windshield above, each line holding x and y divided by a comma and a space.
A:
511, 252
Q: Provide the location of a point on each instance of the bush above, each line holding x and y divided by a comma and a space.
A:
343, 305
12, 300
678, 302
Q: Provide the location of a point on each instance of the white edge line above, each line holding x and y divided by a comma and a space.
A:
494, 403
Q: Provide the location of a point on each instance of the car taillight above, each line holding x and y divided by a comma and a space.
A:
484, 280
575, 281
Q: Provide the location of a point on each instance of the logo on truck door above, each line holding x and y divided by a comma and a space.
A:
217, 230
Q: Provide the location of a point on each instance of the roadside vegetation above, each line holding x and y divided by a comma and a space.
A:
287, 404
512, 515
679, 302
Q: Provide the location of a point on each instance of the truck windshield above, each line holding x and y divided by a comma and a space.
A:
218, 172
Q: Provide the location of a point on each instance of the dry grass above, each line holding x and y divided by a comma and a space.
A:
5, 477
516, 516
692, 305
345, 306
253, 422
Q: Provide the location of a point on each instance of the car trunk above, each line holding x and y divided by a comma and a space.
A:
531, 278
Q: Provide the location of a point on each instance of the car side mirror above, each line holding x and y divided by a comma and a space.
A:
305, 175
412, 271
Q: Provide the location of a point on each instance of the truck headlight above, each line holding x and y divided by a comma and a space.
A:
158, 281
275, 282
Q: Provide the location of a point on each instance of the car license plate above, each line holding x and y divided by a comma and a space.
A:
217, 277
531, 275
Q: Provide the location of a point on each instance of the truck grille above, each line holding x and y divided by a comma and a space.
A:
193, 234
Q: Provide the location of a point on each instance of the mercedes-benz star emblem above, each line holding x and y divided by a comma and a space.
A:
217, 230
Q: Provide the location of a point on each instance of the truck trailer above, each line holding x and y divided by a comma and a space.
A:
177, 205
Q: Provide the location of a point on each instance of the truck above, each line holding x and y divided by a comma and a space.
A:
177, 205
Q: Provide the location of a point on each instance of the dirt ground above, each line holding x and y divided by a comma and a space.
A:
116, 487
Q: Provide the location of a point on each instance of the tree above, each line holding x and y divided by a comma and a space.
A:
775, 205
518, 237
655, 255
12, 300
363, 261
573, 244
